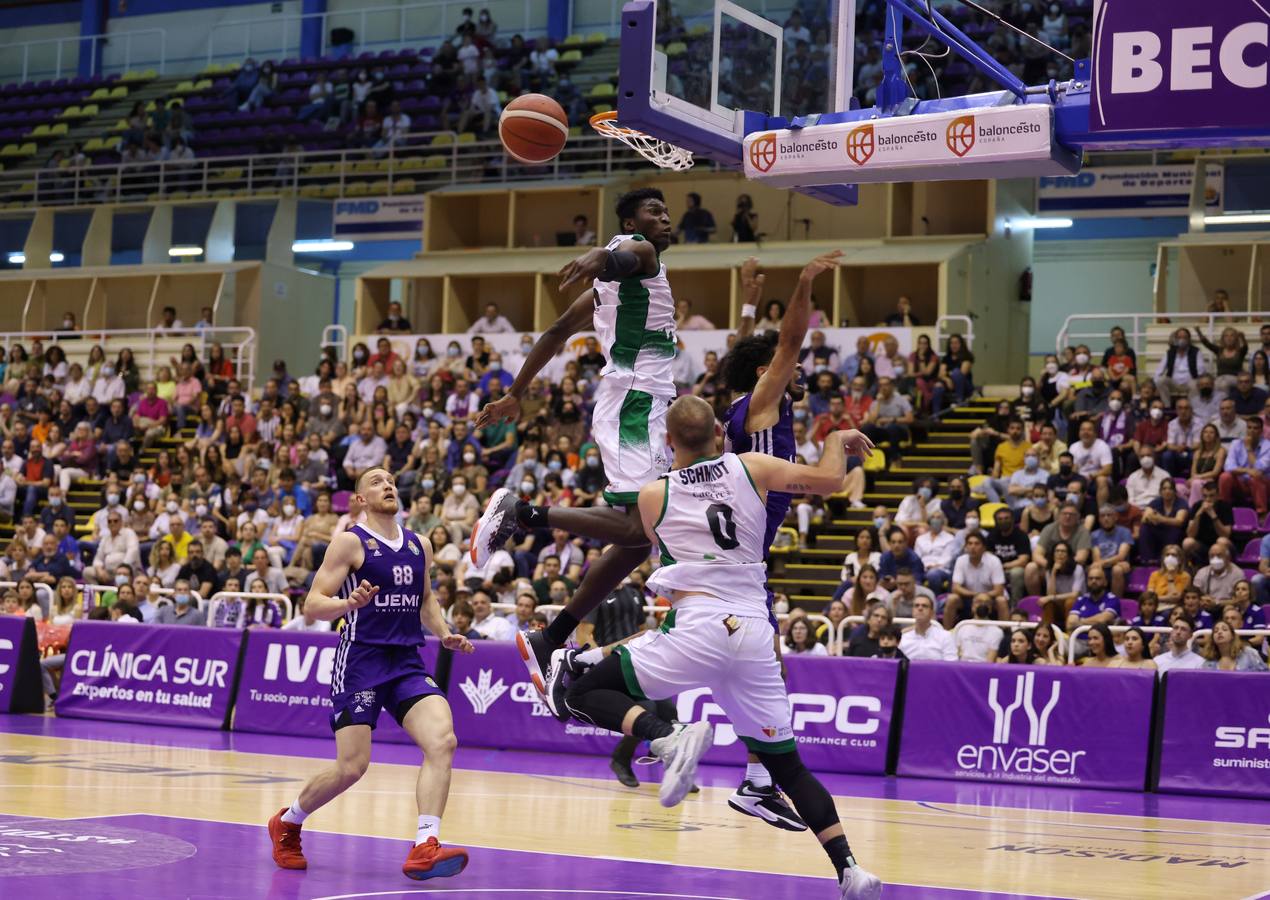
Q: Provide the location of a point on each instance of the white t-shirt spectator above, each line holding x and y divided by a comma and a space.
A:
975, 641
486, 101
396, 127
1169, 660
936, 550
795, 34
298, 624
809, 450
544, 60
470, 59
981, 578
1088, 460
936, 643
499, 559
364, 454
109, 388
1144, 488
500, 325
495, 628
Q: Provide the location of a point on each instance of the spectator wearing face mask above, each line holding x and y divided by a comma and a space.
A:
1217, 580
935, 547
977, 641
183, 610
917, 507
1212, 523
1179, 368
1143, 486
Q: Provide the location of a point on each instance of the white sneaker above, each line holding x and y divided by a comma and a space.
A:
496, 525
858, 884
680, 752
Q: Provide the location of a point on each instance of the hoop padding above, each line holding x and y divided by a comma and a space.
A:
656, 151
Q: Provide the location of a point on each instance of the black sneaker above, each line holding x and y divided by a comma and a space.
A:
496, 525
625, 774
768, 804
536, 655
563, 662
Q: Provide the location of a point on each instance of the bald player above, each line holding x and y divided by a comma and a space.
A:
375, 576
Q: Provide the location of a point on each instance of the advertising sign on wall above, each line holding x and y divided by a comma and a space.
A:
1216, 734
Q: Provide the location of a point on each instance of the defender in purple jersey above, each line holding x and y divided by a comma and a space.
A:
375, 576
763, 370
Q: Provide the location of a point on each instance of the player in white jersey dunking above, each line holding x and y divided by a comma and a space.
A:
708, 517
376, 576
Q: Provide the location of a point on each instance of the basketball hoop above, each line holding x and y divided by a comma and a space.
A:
656, 151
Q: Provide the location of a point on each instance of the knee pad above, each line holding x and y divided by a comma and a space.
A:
809, 796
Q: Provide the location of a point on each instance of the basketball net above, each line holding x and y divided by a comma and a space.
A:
656, 151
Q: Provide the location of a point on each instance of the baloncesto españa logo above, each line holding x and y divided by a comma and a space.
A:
960, 135
763, 152
1020, 734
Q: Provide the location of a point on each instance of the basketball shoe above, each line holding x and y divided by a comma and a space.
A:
766, 803
431, 860
680, 751
858, 884
286, 842
496, 525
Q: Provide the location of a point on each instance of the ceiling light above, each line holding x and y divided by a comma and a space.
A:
321, 246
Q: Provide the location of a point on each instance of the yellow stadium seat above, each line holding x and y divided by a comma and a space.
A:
701, 29
356, 189
379, 187
596, 39
179, 195
467, 137
403, 186
71, 112
39, 131
234, 173
88, 109
203, 84
311, 190
602, 91
319, 169
58, 129
121, 125
676, 48
331, 190
28, 149
184, 87
139, 75
410, 164
442, 140
988, 511
976, 485
94, 144
432, 162
365, 167
100, 94
151, 107
573, 40
575, 131
118, 93
601, 107
570, 58
212, 69
9, 150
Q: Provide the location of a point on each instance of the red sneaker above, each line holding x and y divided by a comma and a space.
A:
286, 843
431, 860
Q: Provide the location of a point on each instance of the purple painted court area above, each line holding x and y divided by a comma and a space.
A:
155, 856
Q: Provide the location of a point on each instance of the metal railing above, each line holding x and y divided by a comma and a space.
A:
395, 27
149, 42
335, 337
283, 601
1009, 626
852, 621
43, 594
405, 167
90, 591
150, 348
1093, 329
943, 331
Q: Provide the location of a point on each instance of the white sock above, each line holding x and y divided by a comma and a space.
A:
429, 826
757, 775
295, 815
592, 657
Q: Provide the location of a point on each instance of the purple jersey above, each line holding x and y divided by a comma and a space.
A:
776, 441
392, 616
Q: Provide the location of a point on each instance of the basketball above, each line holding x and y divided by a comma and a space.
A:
533, 128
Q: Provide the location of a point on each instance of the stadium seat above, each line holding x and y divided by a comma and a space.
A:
602, 91
1128, 609
357, 189
1251, 552
184, 87
331, 190
100, 94
10, 150
203, 84
1245, 520
39, 131
441, 140
1032, 606
339, 501
467, 137
380, 187
59, 129
364, 167
121, 125
311, 190
988, 511
119, 93
403, 186
436, 162
596, 39
1138, 579
676, 48
89, 109
28, 149
701, 29
71, 112
569, 59
410, 164
573, 40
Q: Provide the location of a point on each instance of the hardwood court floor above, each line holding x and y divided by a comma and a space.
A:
186, 808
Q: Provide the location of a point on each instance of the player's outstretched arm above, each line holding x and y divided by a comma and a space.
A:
430, 612
342, 556
629, 259
766, 396
772, 474
507, 407
751, 296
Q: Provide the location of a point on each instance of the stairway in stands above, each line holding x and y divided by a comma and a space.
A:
810, 577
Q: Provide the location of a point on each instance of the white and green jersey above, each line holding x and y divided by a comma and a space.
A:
635, 324
711, 533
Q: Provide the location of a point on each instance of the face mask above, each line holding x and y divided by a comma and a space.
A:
531, 465
1031, 462
972, 524
879, 521
139, 505
1038, 501
325, 409
200, 510
856, 394
1148, 463
55, 502
288, 510
800, 415
1157, 413
496, 367
1183, 343
1082, 359
172, 507
250, 507
359, 355
781, 607
1206, 392
112, 499
526, 346
181, 599
108, 370
1114, 405
459, 490
265, 464
1051, 368
982, 612
555, 465
593, 462
121, 579
452, 351
526, 487
421, 352
428, 484
469, 458
1065, 469
924, 493
820, 368
428, 412
1027, 391
1217, 563
139, 478
1170, 562
936, 525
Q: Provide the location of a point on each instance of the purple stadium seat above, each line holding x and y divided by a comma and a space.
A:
1251, 552
1265, 526
1128, 609
1031, 606
1138, 579
1245, 520
339, 501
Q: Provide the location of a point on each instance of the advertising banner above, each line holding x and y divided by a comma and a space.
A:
285, 685
20, 689
160, 674
379, 218
1178, 65
1128, 191
495, 705
1033, 724
1216, 734
1007, 141
842, 711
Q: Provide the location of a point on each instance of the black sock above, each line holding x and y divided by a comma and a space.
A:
839, 853
649, 727
530, 516
560, 628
